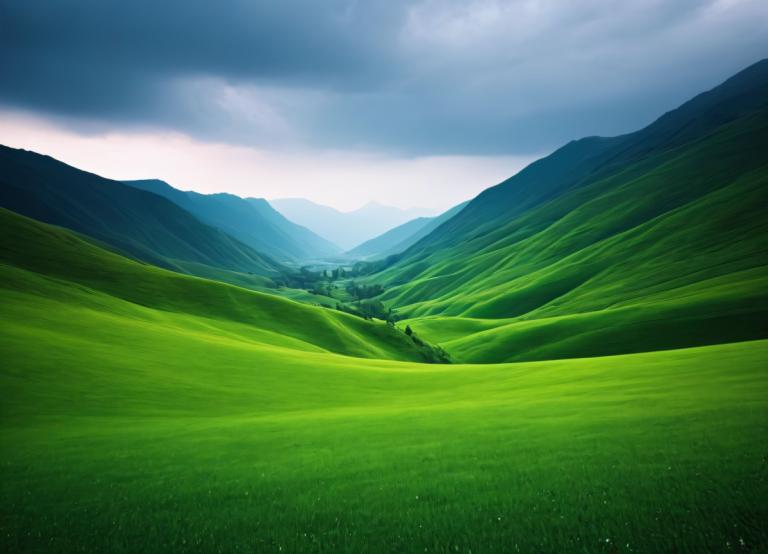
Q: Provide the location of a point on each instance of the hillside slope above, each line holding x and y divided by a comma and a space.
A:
139, 223
252, 221
648, 241
590, 159
401, 237
52, 266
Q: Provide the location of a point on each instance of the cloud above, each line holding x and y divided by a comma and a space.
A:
449, 77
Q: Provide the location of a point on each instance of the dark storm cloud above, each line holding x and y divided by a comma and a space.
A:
416, 77
126, 60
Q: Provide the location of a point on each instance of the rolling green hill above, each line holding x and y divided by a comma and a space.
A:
649, 241
138, 223
252, 221
147, 410
41, 257
401, 237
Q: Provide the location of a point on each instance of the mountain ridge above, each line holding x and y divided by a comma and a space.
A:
139, 223
252, 221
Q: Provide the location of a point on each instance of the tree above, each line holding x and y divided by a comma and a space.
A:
408, 330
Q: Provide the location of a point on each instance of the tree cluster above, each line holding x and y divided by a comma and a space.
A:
364, 291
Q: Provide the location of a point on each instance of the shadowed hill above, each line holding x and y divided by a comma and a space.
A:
139, 223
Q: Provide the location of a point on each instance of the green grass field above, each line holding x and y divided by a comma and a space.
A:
149, 411
154, 450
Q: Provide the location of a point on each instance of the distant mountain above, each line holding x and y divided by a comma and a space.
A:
402, 237
377, 247
647, 241
136, 222
253, 221
347, 229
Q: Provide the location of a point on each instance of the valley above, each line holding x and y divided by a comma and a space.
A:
575, 360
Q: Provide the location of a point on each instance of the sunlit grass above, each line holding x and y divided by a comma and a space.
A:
189, 444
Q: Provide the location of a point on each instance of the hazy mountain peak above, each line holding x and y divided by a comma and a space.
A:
347, 229
252, 220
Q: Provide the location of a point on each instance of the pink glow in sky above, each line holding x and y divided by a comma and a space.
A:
344, 180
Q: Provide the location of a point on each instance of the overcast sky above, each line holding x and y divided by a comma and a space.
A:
407, 103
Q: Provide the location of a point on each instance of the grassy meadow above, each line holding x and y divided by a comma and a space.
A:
149, 411
147, 447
